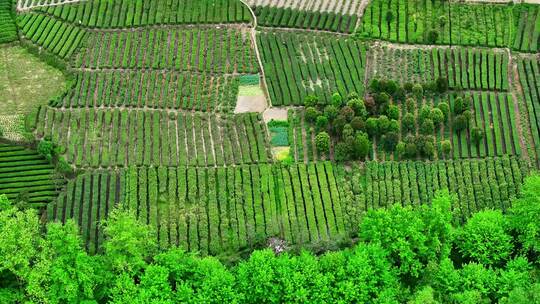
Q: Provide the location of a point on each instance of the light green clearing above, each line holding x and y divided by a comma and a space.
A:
253, 90
25, 81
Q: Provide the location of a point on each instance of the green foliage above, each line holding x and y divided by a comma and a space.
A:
46, 149
404, 255
413, 237
484, 238
129, 243
524, 216
322, 141
63, 271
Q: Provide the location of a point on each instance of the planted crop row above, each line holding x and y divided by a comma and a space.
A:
293, 18
440, 22
297, 65
136, 13
153, 89
27, 176
475, 69
193, 49
494, 114
8, 29
343, 7
29, 4
97, 137
57, 37
479, 184
527, 22
211, 210
302, 142
529, 76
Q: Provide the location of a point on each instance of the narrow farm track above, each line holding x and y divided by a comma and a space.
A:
257, 53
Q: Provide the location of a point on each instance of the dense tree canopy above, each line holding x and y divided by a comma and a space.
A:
403, 255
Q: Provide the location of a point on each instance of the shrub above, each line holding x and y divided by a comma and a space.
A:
311, 114
477, 135
418, 91
390, 140
432, 36
383, 124
322, 122
358, 124
446, 147
409, 123
393, 112
460, 123
428, 127
322, 141
361, 145
46, 149
337, 100
372, 126
445, 109
331, 112
437, 116
347, 113
441, 84
484, 239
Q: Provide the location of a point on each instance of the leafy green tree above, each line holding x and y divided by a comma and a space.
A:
359, 107
484, 239
331, 112
410, 105
418, 91
46, 149
372, 126
477, 135
363, 274
441, 85
460, 123
322, 141
424, 296
437, 116
321, 123
524, 215
358, 124
361, 145
394, 126
337, 100
445, 109
129, 243
64, 272
446, 147
347, 113
425, 113
393, 112
413, 237
311, 101
410, 146
198, 280
20, 237
342, 151
383, 124
427, 127
390, 141
409, 122
311, 114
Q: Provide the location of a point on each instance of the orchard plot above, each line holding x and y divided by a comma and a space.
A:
211, 210
297, 65
97, 138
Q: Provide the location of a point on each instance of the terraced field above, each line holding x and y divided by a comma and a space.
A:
359, 105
